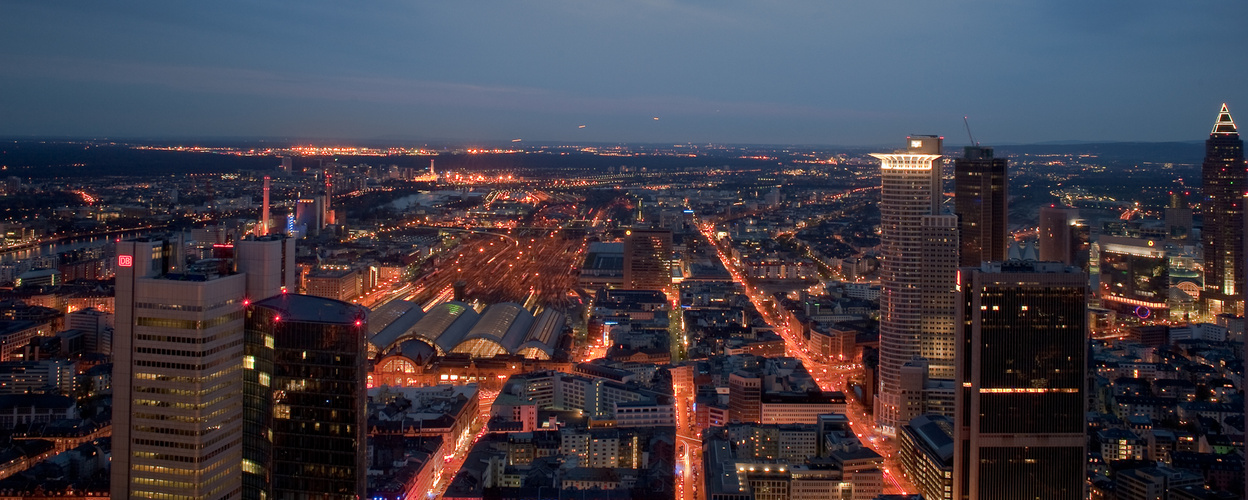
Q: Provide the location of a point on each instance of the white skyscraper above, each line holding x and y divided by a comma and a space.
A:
177, 385
910, 195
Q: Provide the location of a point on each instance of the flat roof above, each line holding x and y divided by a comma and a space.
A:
312, 309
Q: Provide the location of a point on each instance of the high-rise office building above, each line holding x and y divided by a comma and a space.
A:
1225, 179
305, 372
911, 190
179, 347
1054, 237
177, 390
979, 199
1064, 237
938, 268
647, 259
1178, 217
269, 263
1021, 369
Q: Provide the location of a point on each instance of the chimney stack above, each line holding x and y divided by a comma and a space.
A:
264, 211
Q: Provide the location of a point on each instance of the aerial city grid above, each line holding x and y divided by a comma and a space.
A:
438, 272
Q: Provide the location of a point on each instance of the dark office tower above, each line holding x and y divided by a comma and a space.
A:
1021, 363
647, 259
304, 392
269, 264
980, 203
1225, 181
1178, 217
1055, 235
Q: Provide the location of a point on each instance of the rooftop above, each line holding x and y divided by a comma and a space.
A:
311, 309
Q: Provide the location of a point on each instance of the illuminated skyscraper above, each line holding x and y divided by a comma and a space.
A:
177, 390
979, 187
939, 265
1225, 182
647, 259
305, 372
177, 379
1021, 370
910, 192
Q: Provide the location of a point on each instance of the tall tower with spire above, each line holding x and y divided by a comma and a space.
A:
1225, 183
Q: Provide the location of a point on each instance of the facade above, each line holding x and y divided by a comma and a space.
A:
306, 395
926, 451
1022, 351
596, 398
911, 190
269, 262
745, 392
1135, 276
1224, 178
1055, 234
647, 259
940, 263
49, 376
15, 336
979, 198
336, 284
177, 393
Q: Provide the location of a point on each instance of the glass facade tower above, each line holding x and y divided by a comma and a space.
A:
305, 373
1021, 373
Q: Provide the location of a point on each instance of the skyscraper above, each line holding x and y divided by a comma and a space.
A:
177, 393
305, 373
980, 202
269, 263
1054, 237
938, 268
1225, 181
910, 191
647, 259
1021, 369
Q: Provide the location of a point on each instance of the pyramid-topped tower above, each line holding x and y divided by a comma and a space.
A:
1225, 179
1225, 125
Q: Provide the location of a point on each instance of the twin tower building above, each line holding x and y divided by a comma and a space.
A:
226, 386
999, 345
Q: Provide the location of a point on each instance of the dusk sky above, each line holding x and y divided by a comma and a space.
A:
746, 71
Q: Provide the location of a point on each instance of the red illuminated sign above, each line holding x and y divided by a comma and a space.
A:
125, 260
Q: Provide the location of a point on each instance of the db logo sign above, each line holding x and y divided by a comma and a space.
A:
125, 260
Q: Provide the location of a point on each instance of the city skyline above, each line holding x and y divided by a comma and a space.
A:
803, 73
648, 250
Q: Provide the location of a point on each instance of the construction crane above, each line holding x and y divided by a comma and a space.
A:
968, 131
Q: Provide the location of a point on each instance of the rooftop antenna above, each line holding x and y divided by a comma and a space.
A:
968, 130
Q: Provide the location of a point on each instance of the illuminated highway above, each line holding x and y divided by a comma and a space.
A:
830, 377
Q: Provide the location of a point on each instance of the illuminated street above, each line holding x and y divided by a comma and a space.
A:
831, 377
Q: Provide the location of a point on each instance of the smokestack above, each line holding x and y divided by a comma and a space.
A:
431, 171
264, 211
329, 197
